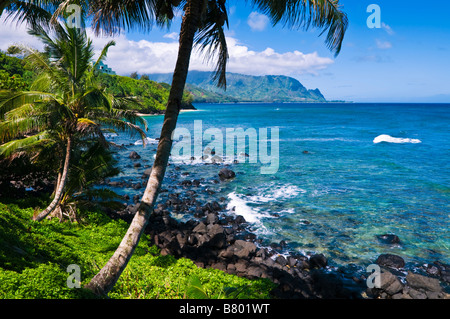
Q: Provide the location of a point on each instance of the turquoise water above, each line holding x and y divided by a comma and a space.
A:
345, 189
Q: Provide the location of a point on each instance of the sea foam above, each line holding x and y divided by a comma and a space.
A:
251, 207
397, 140
148, 140
239, 204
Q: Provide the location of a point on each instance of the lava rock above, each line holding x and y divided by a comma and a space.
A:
134, 155
243, 249
318, 260
389, 239
389, 260
390, 283
417, 281
226, 174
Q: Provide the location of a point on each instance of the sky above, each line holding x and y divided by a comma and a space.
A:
406, 59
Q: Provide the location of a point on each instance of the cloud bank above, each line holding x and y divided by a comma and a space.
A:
146, 57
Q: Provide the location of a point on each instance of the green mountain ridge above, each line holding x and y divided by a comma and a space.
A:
245, 88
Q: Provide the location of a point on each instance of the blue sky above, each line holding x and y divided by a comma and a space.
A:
407, 60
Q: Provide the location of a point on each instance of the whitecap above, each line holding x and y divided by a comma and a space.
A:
239, 205
272, 192
397, 140
148, 140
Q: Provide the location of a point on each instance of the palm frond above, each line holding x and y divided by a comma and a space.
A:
13, 99
212, 41
94, 98
31, 12
7, 149
19, 127
111, 16
130, 116
303, 14
122, 126
104, 53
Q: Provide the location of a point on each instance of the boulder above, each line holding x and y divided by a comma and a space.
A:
318, 260
417, 282
389, 260
239, 219
200, 228
243, 249
390, 283
212, 218
217, 236
389, 239
281, 260
134, 155
226, 174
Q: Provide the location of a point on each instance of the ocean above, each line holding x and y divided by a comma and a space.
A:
345, 174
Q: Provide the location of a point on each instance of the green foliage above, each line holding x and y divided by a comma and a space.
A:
34, 259
153, 96
13, 65
47, 281
245, 88
164, 277
13, 83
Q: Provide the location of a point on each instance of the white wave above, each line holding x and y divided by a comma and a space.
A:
110, 135
398, 140
268, 193
272, 193
240, 206
148, 140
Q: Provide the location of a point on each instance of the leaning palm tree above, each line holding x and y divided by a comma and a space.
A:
202, 24
65, 105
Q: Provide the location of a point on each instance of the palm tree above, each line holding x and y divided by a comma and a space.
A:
65, 105
203, 24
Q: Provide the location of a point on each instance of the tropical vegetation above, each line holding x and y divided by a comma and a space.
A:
34, 260
64, 114
203, 25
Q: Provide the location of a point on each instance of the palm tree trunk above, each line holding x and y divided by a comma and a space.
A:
58, 179
105, 280
60, 188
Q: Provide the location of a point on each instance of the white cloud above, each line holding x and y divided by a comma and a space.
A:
12, 33
160, 57
257, 21
173, 36
243, 60
383, 45
147, 57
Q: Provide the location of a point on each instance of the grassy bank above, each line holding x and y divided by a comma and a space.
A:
34, 258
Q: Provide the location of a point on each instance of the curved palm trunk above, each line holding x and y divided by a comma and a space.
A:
105, 280
61, 182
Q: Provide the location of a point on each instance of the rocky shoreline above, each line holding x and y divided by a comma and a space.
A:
214, 239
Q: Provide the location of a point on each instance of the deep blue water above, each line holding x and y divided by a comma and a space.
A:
336, 197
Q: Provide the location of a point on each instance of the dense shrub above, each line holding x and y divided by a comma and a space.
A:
34, 258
